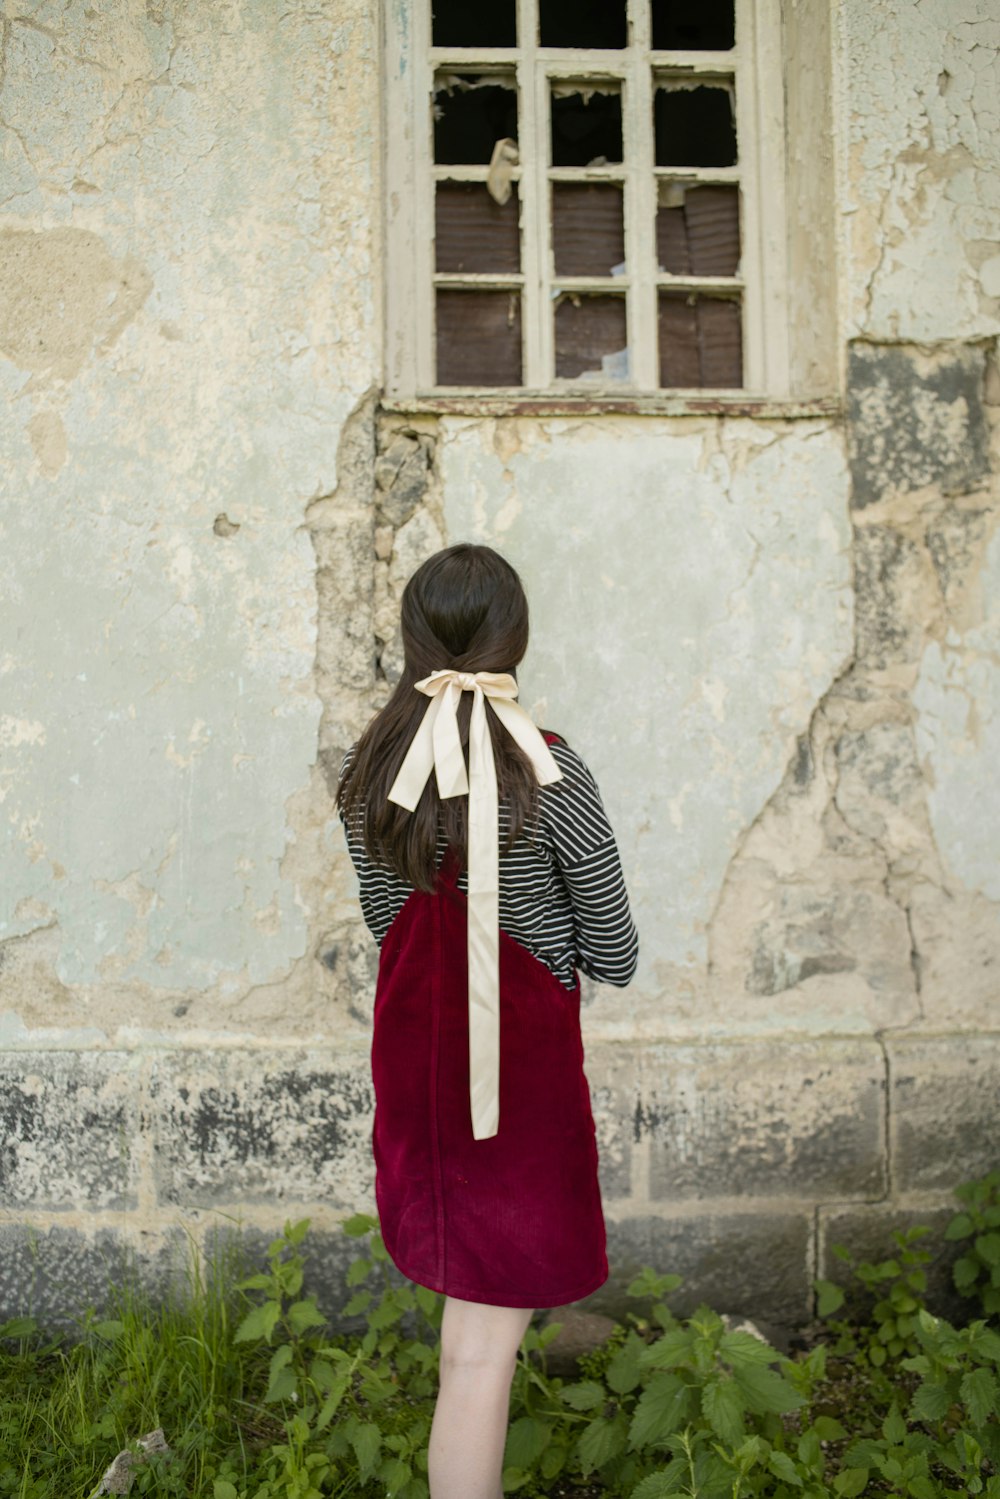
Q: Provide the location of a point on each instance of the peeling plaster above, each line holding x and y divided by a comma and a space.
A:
724, 612
923, 189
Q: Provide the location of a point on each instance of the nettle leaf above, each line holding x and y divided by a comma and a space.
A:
965, 1273
979, 1393
259, 1323
526, 1441
366, 1439
333, 1399
744, 1348
765, 1391
623, 1372
830, 1296
281, 1382
586, 1396
303, 1314
960, 1227
850, 1482
930, 1401
988, 1248
723, 1405
781, 1466
661, 1409
601, 1440
655, 1486
357, 1270
360, 1223
894, 1427
673, 1348
553, 1459
394, 1473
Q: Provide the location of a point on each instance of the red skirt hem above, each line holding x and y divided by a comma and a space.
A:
537, 1302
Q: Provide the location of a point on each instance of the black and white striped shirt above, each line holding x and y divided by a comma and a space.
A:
562, 895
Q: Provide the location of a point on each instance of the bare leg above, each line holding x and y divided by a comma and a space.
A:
479, 1346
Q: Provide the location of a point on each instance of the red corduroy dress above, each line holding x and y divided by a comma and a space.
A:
513, 1220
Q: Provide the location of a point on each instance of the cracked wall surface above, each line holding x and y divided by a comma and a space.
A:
775, 638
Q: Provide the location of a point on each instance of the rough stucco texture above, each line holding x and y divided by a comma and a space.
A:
187, 317
691, 600
923, 193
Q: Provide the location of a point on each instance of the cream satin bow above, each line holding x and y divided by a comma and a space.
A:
437, 744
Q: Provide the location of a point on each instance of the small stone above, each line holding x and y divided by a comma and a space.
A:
384, 537
388, 464
579, 1333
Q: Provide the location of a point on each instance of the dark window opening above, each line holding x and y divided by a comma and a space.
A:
707, 26
456, 23
472, 231
582, 23
471, 113
478, 337
588, 232
695, 127
700, 340
586, 126
590, 336
698, 229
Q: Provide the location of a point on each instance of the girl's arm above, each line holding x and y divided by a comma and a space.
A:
587, 857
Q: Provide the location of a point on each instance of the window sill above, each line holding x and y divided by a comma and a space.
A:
538, 404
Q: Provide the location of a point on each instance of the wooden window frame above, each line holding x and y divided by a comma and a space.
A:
755, 65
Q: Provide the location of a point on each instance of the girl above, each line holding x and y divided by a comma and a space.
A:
488, 876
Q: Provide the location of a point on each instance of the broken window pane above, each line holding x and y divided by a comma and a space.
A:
698, 229
472, 231
700, 340
695, 126
681, 27
591, 337
456, 23
582, 23
478, 337
586, 125
588, 233
471, 113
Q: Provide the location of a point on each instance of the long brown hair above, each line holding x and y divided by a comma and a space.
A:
464, 609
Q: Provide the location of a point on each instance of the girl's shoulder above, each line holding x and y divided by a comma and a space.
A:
576, 771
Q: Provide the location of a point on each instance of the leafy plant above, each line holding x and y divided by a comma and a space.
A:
897, 1286
977, 1271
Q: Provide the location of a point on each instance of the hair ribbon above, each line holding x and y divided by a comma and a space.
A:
437, 745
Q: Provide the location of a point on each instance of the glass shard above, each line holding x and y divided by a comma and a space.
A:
591, 337
478, 337
586, 126
695, 126
471, 113
700, 341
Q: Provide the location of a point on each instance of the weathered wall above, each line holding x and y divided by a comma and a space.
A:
774, 639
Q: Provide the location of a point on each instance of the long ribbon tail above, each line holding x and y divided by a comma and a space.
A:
484, 935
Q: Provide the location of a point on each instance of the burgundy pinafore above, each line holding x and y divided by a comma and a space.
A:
513, 1220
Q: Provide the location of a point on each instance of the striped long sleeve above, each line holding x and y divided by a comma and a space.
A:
562, 892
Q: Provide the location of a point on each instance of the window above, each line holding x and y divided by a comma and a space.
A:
586, 199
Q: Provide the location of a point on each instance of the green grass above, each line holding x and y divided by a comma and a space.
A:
258, 1399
